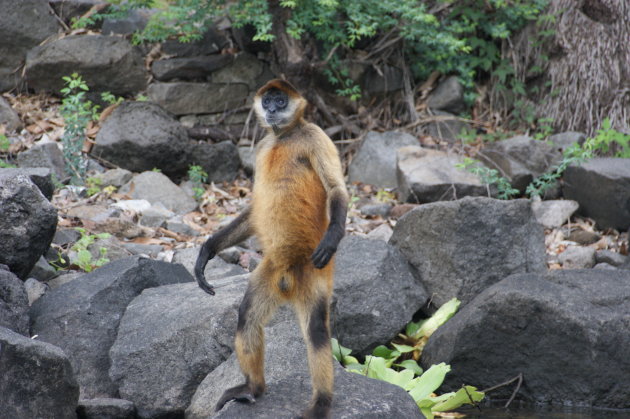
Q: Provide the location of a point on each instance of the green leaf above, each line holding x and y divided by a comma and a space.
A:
461, 397
445, 312
428, 382
410, 364
384, 352
403, 348
339, 352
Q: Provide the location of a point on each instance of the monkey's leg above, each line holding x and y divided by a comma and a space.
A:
255, 310
313, 314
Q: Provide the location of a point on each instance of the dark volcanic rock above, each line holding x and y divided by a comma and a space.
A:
221, 161
182, 98
188, 68
23, 25
27, 224
36, 380
40, 176
82, 316
565, 331
602, 188
169, 338
461, 247
369, 275
106, 63
44, 155
289, 389
140, 136
13, 302
106, 409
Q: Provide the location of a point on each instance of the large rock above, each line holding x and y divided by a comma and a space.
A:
211, 42
40, 176
105, 408
106, 63
520, 159
565, 331
602, 188
140, 136
27, 224
82, 316
460, 248
157, 188
446, 127
220, 161
36, 380
448, 96
44, 155
188, 68
426, 175
554, 213
23, 25
369, 275
183, 98
375, 161
244, 68
169, 339
216, 268
13, 302
289, 389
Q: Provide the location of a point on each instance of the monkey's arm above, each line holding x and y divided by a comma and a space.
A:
328, 167
234, 233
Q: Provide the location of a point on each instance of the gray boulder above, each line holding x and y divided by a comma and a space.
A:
135, 20
564, 140
182, 98
8, 117
157, 188
554, 213
23, 25
577, 257
459, 248
189, 68
40, 176
602, 188
426, 175
169, 338
448, 96
82, 316
520, 159
36, 380
375, 161
386, 80
369, 275
69, 9
446, 127
13, 302
245, 68
27, 224
106, 409
106, 63
543, 326
220, 161
140, 136
115, 177
44, 155
289, 386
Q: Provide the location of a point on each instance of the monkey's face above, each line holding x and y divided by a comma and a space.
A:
275, 110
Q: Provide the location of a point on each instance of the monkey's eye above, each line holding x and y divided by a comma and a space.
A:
280, 102
265, 101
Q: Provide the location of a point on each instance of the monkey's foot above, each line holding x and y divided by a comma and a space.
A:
242, 394
319, 410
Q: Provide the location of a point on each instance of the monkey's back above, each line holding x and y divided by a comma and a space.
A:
290, 216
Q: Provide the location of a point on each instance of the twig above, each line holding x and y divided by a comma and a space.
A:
518, 378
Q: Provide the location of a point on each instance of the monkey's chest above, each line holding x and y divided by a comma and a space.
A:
289, 202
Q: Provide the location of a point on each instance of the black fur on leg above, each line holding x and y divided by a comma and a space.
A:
320, 408
317, 327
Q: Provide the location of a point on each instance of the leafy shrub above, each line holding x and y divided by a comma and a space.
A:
77, 112
490, 177
197, 177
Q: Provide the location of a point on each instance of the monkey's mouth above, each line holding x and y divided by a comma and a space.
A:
274, 120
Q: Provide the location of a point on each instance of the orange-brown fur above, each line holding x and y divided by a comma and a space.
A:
298, 183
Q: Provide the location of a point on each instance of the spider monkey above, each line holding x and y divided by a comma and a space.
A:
298, 213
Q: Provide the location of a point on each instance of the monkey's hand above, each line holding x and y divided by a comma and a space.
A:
205, 254
326, 248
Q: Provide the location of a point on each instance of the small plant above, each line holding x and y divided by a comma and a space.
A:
82, 256
93, 185
384, 365
110, 98
490, 177
197, 177
77, 112
608, 139
4, 147
385, 196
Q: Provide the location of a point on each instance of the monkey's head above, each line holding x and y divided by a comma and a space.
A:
278, 105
